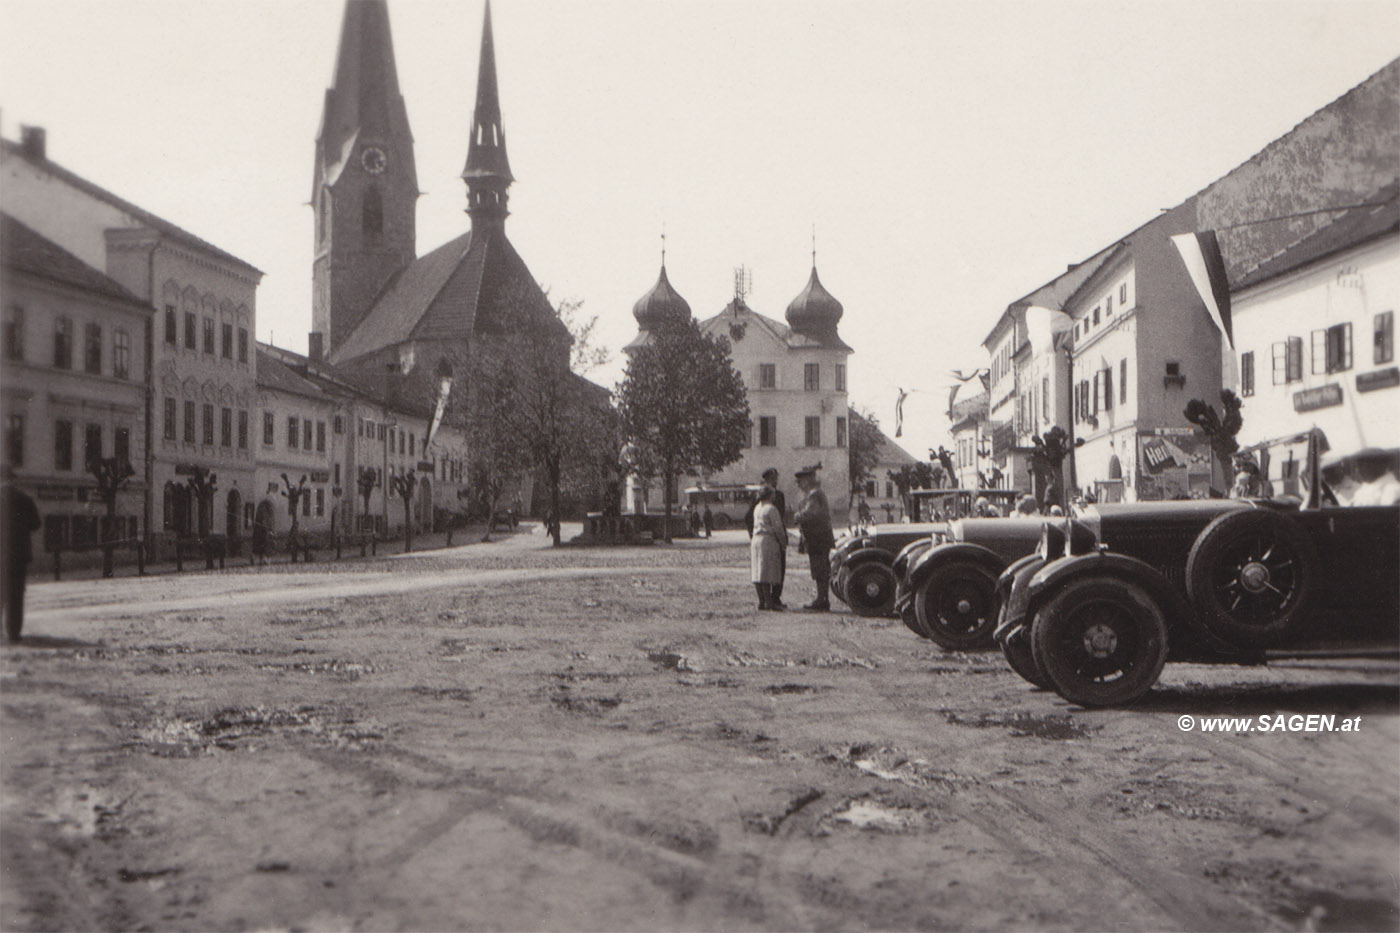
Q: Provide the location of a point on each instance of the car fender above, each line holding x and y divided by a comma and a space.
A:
1012, 598
943, 554
1057, 573
856, 558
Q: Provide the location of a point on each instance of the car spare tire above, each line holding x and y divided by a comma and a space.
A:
1252, 576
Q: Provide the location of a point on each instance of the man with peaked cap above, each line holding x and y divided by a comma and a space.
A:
770, 478
813, 517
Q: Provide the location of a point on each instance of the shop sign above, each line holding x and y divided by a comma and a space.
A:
320, 476
425, 466
54, 493
1173, 432
186, 469
1379, 379
1320, 397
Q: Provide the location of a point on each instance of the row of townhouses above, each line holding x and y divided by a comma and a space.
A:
127, 337
1112, 350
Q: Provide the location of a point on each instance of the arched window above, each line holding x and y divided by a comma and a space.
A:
372, 216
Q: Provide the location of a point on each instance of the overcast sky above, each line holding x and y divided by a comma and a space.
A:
951, 155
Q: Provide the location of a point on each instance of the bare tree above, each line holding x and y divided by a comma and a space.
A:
404, 485
111, 475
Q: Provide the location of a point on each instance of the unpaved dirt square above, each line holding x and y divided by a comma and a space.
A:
505, 737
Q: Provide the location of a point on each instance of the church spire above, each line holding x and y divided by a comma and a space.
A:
365, 185
364, 100
488, 169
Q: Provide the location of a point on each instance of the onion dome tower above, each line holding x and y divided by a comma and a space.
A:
660, 306
814, 312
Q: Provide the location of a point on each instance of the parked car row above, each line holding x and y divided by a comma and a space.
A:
1093, 607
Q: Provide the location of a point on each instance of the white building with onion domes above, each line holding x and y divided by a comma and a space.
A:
795, 373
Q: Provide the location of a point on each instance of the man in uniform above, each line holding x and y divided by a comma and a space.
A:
770, 478
813, 517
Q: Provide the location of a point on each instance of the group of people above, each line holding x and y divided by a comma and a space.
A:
702, 522
767, 526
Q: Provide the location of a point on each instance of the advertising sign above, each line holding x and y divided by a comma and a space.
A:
1173, 467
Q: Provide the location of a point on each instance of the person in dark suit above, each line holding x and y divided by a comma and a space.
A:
814, 519
770, 478
20, 517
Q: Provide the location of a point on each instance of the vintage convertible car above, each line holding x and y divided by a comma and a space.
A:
947, 588
862, 574
1108, 598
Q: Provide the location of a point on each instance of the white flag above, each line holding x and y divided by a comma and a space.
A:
1042, 324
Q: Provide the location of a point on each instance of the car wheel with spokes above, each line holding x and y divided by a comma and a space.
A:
957, 607
1102, 641
1251, 577
869, 589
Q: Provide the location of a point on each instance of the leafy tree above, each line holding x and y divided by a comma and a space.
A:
683, 406
499, 452
1047, 467
1221, 430
909, 477
863, 443
111, 475
555, 413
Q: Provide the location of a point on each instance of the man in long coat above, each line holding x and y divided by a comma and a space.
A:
20, 517
814, 518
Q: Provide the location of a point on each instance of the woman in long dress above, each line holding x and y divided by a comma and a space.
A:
766, 549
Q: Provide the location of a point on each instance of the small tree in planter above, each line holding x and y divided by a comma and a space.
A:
293, 493
1047, 467
111, 475
365, 483
1221, 430
404, 485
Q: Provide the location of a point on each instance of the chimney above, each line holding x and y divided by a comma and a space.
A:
316, 345
31, 140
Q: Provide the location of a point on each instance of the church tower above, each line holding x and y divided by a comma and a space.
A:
365, 189
487, 173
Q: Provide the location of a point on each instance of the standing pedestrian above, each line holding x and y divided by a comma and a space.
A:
766, 547
770, 479
20, 517
708, 520
694, 520
260, 535
814, 519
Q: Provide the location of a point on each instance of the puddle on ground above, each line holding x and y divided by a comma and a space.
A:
781, 689
867, 814
745, 659
233, 727
890, 764
1058, 726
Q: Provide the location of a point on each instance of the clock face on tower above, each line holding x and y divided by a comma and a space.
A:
374, 160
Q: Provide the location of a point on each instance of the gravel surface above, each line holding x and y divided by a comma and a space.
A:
505, 736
